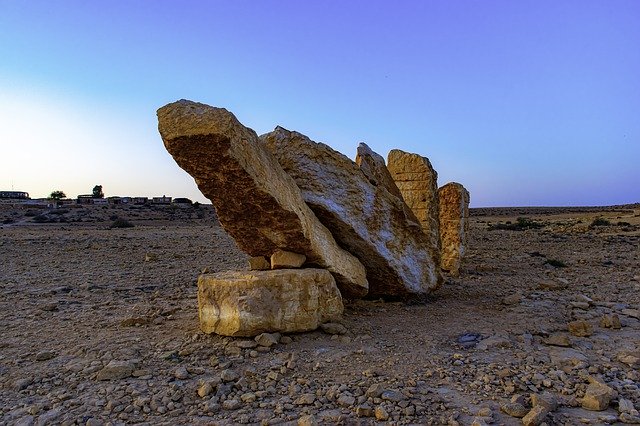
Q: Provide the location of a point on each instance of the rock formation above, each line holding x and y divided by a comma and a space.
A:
372, 165
365, 219
257, 203
418, 183
454, 225
247, 303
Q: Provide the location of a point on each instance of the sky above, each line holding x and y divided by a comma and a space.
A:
526, 103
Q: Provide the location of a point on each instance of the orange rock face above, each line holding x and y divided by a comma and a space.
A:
454, 225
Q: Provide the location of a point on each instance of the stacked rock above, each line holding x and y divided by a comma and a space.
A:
292, 203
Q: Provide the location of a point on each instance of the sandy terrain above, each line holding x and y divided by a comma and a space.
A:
76, 295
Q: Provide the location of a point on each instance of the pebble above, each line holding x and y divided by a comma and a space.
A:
116, 370
580, 328
267, 339
181, 373
514, 409
333, 328
381, 414
45, 355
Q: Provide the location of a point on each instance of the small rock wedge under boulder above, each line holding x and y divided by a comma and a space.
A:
248, 303
365, 219
257, 203
454, 225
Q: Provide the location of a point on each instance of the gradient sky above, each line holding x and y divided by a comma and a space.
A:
523, 102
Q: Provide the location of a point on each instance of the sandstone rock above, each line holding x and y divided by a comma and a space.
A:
366, 220
259, 263
257, 203
282, 259
418, 184
374, 168
536, 416
250, 303
514, 409
558, 339
381, 414
453, 201
580, 328
611, 321
597, 396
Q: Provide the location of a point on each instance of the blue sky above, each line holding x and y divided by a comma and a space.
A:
525, 103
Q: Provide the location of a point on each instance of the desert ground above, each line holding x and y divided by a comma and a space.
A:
99, 326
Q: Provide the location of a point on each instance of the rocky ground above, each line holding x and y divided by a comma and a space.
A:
99, 326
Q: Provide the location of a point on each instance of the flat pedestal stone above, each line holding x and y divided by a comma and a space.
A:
247, 303
257, 203
454, 225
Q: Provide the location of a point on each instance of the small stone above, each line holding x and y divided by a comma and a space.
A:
228, 375
282, 259
248, 397
116, 370
259, 263
484, 412
629, 419
597, 397
626, 406
536, 416
181, 373
374, 391
246, 344
150, 257
307, 420
49, 307
333, 328
514, 409
346, 400
392, 395
267, 339
45, 355
365, 411
381, 414
231, 404
479, 421
610, 321
285, 340
545, 399
205, 389
305, 399
558, 339
580, 328
22, 384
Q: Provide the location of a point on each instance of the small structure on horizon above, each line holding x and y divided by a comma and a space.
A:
14, 195
161, 200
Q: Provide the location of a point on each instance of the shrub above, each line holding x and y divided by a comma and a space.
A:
121, 223
556, 263
599, 222
521, 224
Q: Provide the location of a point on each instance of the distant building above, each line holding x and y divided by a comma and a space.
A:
101, 201
14, 195
161, 200
85, 199
114, 200
140, 200
125, 200
182, 201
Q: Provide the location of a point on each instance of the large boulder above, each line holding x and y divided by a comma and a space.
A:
418, 183
454, 225
365, 219
257, 203
247, 303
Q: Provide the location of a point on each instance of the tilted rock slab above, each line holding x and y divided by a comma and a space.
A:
247, 303
454, 225
366, 220
372, 165
418, 183
257, 203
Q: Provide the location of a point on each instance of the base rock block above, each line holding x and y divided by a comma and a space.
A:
247, 303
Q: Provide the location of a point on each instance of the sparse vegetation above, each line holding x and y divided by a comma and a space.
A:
555, 263
121, 223
521, 224
57, 195
599, 222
